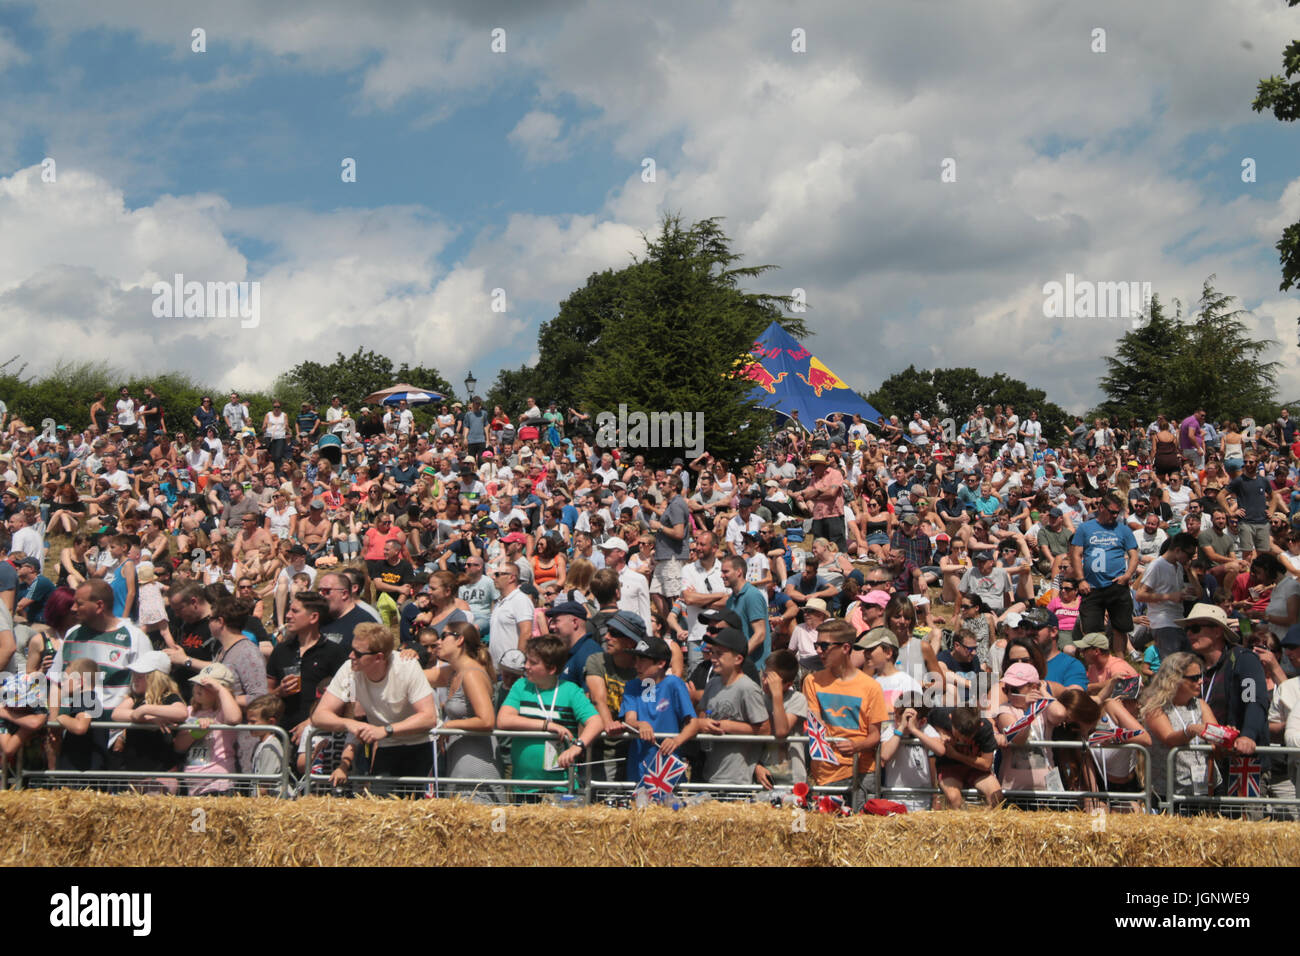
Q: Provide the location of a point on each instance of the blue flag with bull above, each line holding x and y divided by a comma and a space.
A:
788, 378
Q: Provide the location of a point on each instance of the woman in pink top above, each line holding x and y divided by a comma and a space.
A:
1065, 605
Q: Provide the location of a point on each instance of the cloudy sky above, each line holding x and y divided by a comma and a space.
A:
521, 169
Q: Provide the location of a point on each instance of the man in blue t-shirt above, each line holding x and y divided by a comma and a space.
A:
473, 425
656, 702
1104, 556
1063, 669
750, 606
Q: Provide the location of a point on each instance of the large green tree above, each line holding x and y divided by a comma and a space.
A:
1282, 96
1174, 366
354, 377
1138, 382
955, 392
664, 334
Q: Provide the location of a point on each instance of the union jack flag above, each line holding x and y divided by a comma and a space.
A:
1031, 712
1243, 777
663, 774
819, 747
831, 804
1111, 735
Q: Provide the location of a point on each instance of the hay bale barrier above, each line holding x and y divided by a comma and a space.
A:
77, 828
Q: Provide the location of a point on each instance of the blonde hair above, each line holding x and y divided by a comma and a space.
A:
158, 687
378, 638
1160, 692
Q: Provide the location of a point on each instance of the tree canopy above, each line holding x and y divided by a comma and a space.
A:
1175, 366
663, 334
1283, 98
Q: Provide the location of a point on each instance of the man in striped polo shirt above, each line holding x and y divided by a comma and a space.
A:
112, 643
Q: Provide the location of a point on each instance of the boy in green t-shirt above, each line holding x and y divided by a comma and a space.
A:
541, 701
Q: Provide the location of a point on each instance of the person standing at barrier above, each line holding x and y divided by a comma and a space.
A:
303, 661
543, 702
732, 704
1233, 682
1174, 713
469, 707
1284, 723
848, 702
112, 643
1104, 555
395, 697
656, 702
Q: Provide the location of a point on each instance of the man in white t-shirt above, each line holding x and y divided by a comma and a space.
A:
919, 429
511, 624
1163, 589
634, 589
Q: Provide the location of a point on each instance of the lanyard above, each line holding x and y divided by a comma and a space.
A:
550, 714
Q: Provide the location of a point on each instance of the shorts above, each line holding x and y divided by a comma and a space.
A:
1254, 537
1115, 602
667, 578
965, 775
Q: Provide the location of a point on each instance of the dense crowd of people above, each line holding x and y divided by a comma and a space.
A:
947, 606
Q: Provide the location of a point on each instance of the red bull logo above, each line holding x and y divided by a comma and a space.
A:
820, 378
762, 377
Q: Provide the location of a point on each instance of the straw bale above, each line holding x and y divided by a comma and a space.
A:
67, 828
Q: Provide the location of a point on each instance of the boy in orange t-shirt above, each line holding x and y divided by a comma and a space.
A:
849, 702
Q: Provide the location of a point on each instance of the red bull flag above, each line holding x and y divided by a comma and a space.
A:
788, 378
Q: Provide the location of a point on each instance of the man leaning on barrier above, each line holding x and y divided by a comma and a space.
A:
397, 700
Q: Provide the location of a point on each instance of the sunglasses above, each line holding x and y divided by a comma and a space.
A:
354, 655
824, 646
1197, 676
1197, 628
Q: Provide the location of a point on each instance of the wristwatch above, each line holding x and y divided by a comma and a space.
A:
579, 743
388, 729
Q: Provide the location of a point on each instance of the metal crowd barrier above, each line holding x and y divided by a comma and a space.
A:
1288, 808
1035, 799
433, 785
578, 785
279, 785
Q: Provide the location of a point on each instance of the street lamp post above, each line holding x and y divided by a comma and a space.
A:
470, 383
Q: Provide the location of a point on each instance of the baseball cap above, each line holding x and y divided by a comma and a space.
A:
1018, 675
1014, 619
512, 660
615, 543
567, 607
215, 671
875, 637
627, 624
877, 597
1095, 639
151, 661
725, 618
516, 537
654, 648
1292, 638
729, 639
1055, 513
